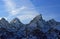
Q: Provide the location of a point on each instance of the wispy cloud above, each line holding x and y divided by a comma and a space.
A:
26, 11
16, 11
10, 6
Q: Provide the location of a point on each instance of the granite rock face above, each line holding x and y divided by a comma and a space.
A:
38, 28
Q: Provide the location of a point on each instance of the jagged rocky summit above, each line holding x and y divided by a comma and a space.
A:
38, 28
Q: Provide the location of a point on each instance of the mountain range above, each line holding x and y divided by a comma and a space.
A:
38, 28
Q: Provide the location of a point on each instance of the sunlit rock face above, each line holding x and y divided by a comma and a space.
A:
38, 28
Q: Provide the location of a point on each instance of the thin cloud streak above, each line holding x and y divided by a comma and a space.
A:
16, 11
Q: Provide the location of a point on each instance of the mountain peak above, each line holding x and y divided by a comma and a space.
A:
52, 20
15, 20
38, 17
4, 23
2, 18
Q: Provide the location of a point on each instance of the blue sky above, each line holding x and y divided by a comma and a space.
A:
26, 10
49, 8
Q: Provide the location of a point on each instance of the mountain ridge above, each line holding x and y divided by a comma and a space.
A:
38, 28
